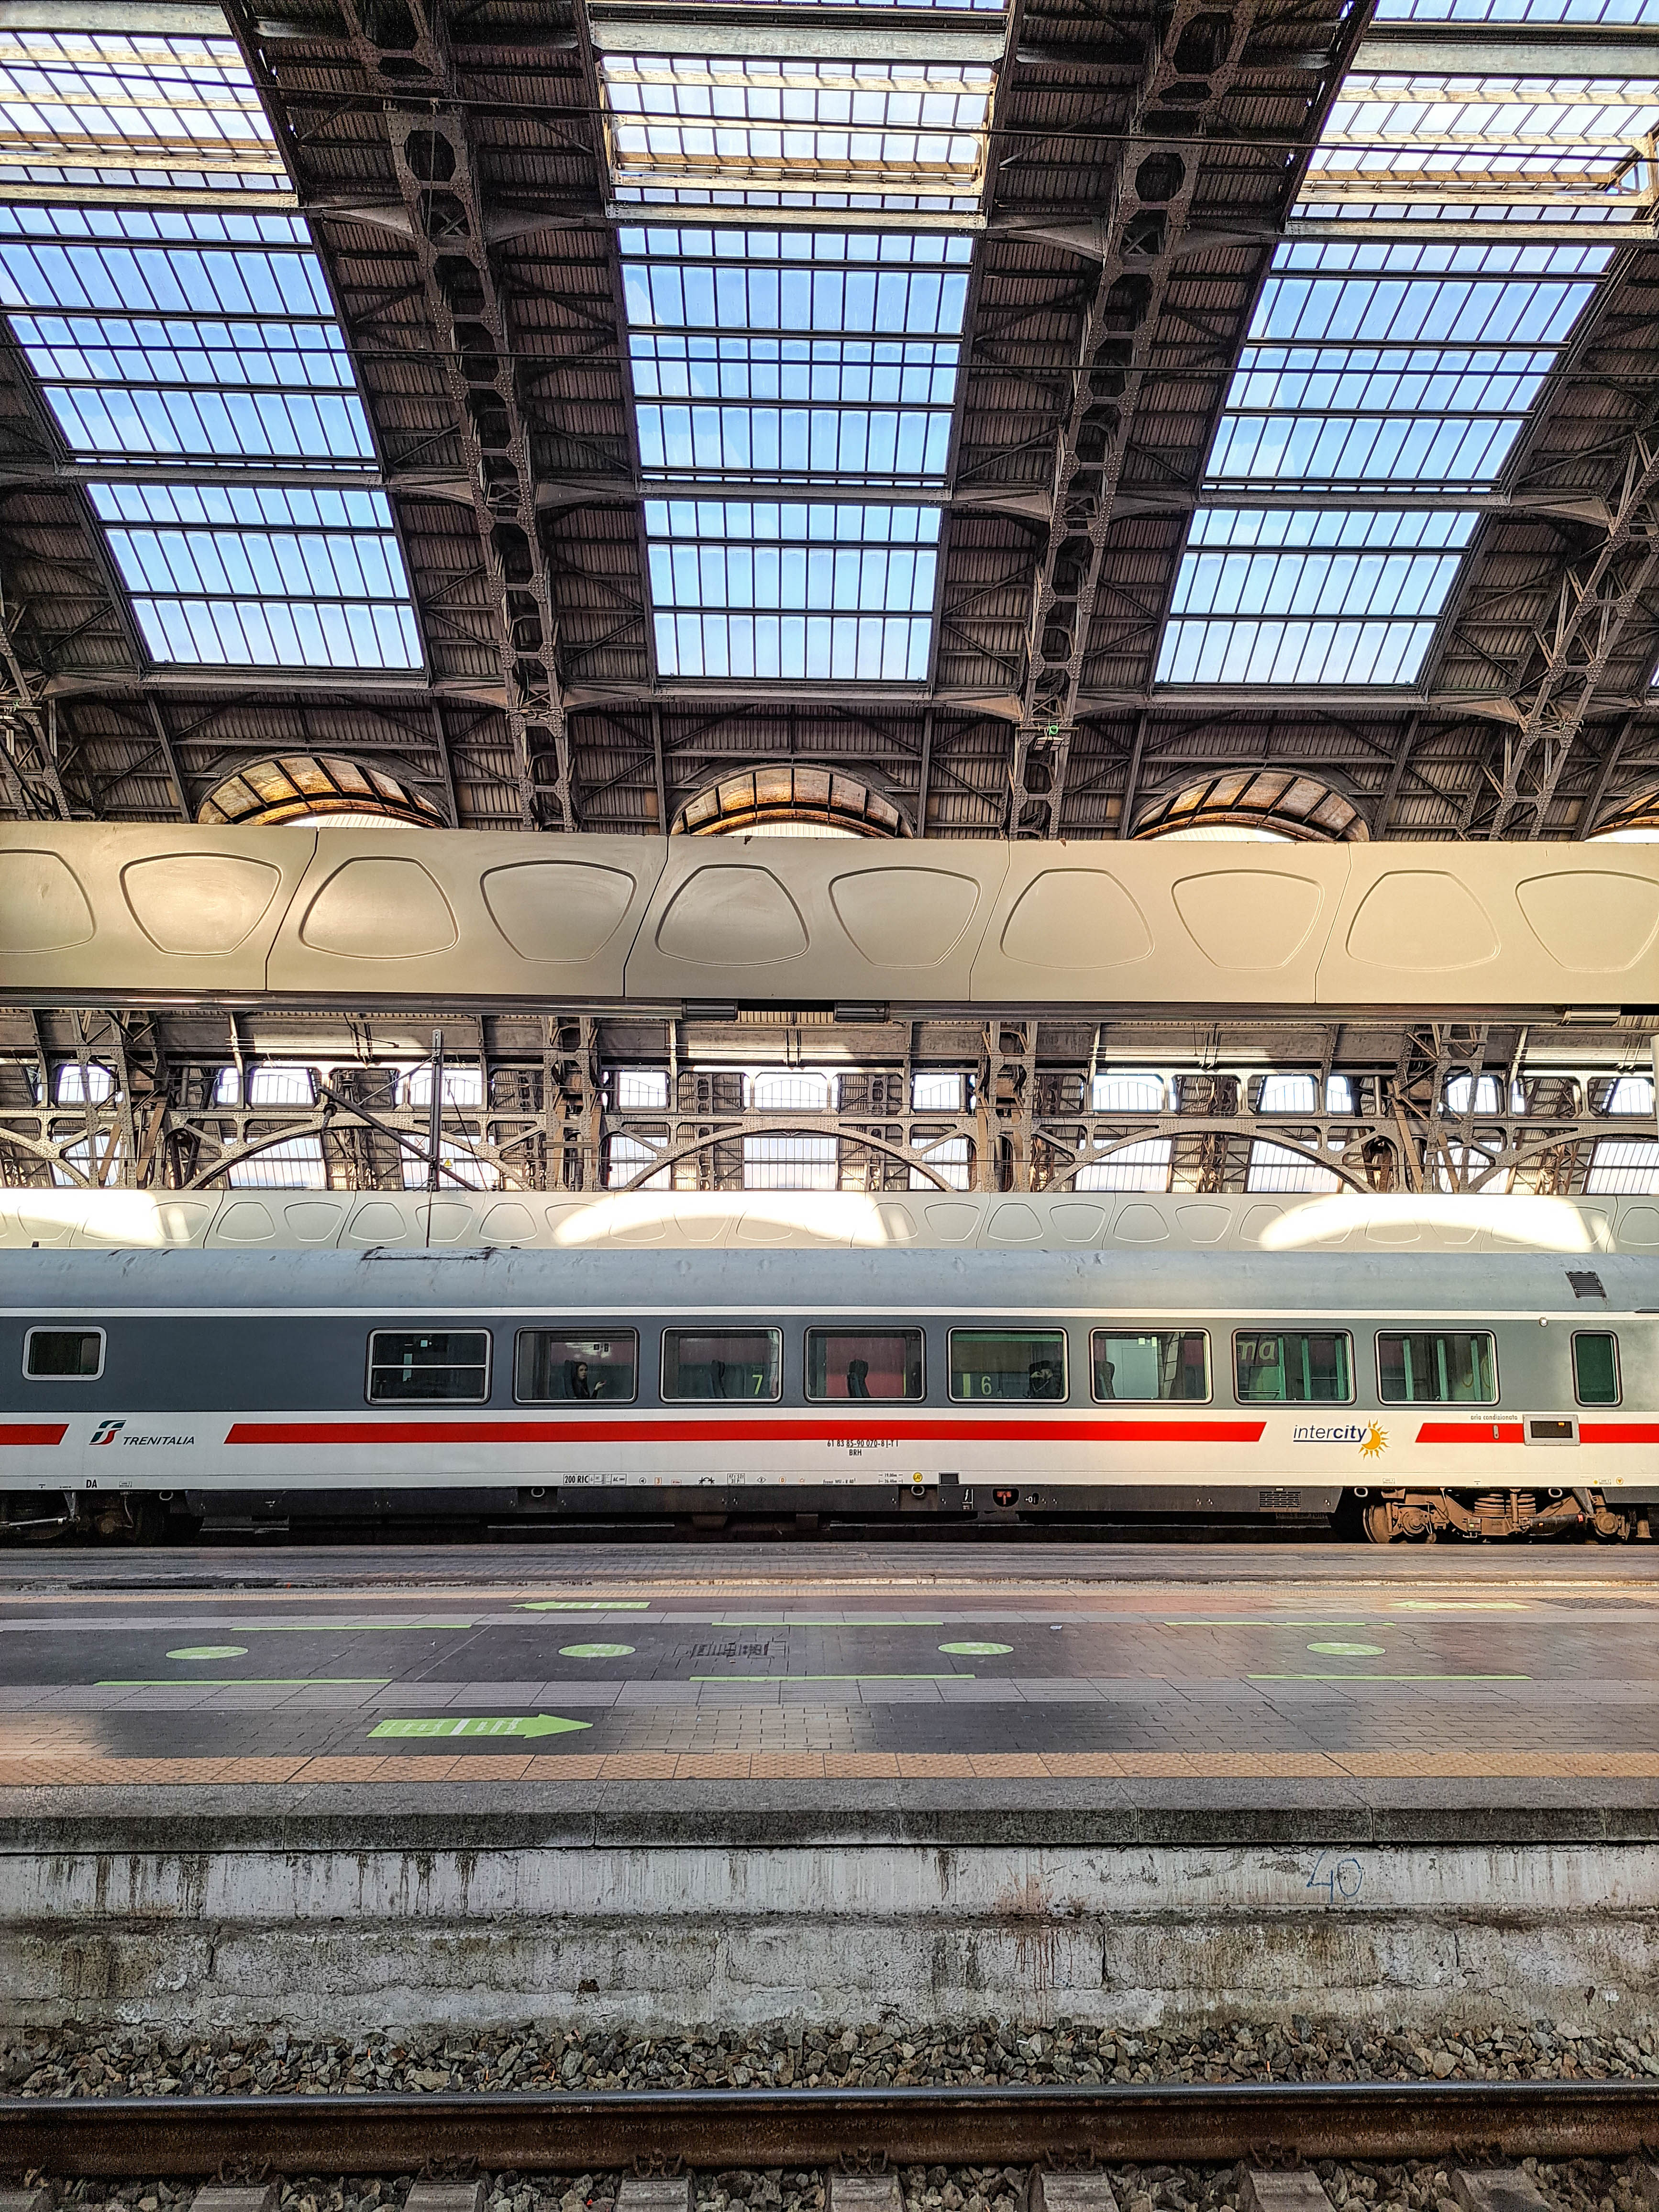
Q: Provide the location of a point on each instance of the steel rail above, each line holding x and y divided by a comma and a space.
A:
715, 2129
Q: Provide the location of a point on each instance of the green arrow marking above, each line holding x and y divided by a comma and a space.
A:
508, 1724
583, 1604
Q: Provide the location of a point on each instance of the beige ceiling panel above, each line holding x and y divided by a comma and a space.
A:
134, 910
816, 920
464, 914
1158, 923
1495, 925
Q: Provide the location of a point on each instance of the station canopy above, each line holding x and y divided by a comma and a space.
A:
1230, 420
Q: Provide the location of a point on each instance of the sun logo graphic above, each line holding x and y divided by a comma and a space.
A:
1375, 1443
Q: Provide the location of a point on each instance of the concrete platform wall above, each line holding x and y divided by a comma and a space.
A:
340, 1939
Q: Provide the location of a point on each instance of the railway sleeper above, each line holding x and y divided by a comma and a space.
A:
1423, 1516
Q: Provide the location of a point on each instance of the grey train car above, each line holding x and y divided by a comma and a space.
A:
1466, 1366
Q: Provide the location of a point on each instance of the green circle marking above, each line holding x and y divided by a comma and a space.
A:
976, 1650
596, 1651
1348, 1650
210, 1651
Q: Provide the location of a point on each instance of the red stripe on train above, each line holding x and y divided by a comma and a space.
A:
741, 1431
1471, 1432
33, 1433
1511, 1432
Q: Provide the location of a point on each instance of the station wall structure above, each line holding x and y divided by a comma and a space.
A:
98, 914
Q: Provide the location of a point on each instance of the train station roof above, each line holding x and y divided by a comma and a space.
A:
629, 416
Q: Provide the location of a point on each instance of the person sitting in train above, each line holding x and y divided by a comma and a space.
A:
858, 1371
581, 1384
1042, 1382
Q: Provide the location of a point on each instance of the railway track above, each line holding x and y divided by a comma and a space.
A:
714, 2130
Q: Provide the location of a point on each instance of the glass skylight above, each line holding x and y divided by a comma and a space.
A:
753, 589
1548, 137
1324, 596
227, 349
1388, 359
198, 341
262, 577
105, 104
800, 129
821, 356
1613, 12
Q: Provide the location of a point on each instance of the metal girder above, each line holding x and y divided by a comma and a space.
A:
403, 52
1148, 204
28, 734
438, 171
1568, 655
1028, 1122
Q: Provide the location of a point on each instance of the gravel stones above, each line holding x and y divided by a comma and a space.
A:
71, 2061
1578, 2185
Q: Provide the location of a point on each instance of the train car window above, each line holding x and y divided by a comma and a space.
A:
550, 1366
864, 1363
1007, 1363
64, 1355
1152, 1364
722, 1363
407, 1365
1434, 1367
1596, 1367
1296, 1366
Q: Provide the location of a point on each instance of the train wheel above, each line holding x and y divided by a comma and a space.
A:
1379, 1524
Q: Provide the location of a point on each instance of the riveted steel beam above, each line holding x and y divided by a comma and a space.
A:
1147, 207
1568, 654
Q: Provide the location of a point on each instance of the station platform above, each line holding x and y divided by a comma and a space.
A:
664, 1784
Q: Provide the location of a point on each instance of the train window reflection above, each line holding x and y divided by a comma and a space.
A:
1007, 1363
722, 1363
405, 1364
1595, 1368
864, 1363
550, 1367
1294, 1366
1152, 1364
1434, 1367
64, 1355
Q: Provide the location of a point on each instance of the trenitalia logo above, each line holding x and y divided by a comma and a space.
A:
106, 1431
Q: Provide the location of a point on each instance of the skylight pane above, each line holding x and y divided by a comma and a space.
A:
132, 107
798, 129
1549, 138
753, 589
265, 377
1324, 596
1614, 12
1397, 363
260, 576
738, 379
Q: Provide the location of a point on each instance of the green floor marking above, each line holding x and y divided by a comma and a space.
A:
252, 1682
596, 1651
863, 1677
510, 1724
975, 1650
582, 1605
1388, 1678
1349, 1650
1462, 1605
346, 1627
210, 1651
1265, 1620
864, 1620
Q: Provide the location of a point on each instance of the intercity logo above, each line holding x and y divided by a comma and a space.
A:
106, 1431
1372, 1439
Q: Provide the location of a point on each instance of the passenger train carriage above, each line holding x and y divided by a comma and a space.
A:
1417, 1366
